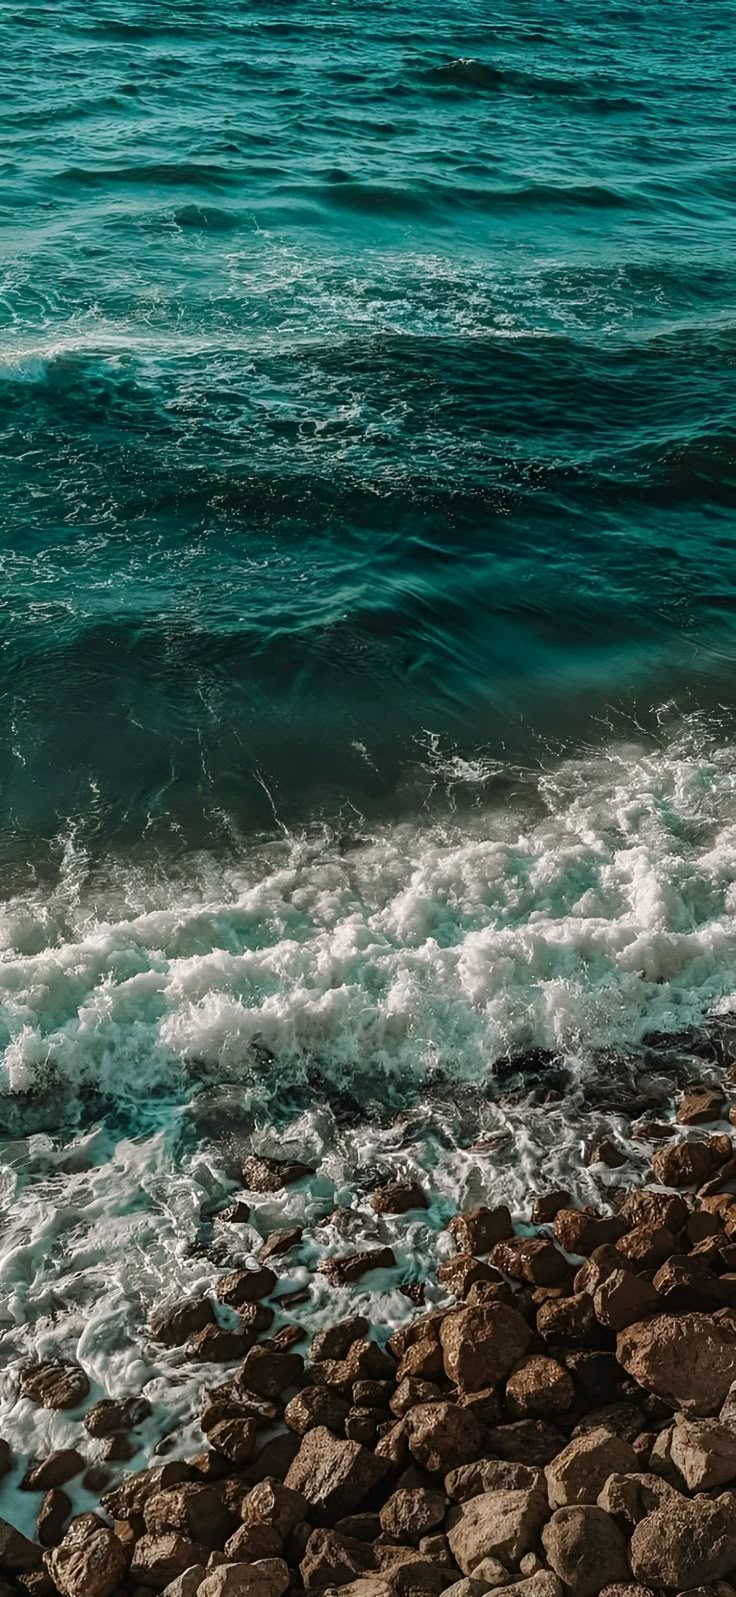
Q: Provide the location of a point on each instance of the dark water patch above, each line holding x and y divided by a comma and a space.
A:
471, 74
164, 174
207, 218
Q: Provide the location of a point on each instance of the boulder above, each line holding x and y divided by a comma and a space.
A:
54, 1385
648, 1207
501, 1524
193, 1508
423, 1360
245, 1286
128, 1499
597, 1267
442, 1436
268, 1373
700, 1105
253, 1541
52, 1516
586, 1549
108, 1416
351, 1267
411, 1513
234, 1439
689, 1361
157, 1560
55, 1470
398, 1197
334, 1476
490, 1475
478, 1230
645, 1247
213, 1345
549, 1204
685, 1164
174, 1325
532, 1442
542, 1584
91, 1567
463, 1272
535, 1260
579, 1231
316, 1405
17, 1553
569, 1320
481, 1345
624, 1298
270, 1175
580, 1471
685, 1544
331, 1559
186, 1585
267, 1578
629, 1498
538, 1389
271, 1503
336, 1340
704, 1451
236, 1213
280, 1242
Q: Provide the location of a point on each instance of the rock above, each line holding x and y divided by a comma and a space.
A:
213, 1345
684, 1164
280, 1242
596, 1374
481, 1345
270, 1175
478, 1230
316, 1405
423, 1360
607, 1153
684, 1287
646, 1207
532, 1259
579, 1231
645, 1247
467, 1587
253, 1541
271, 1503
490, 1475
269, 1373
128, 1499
237, 1213
484, 1405
54, 1385
704, 1451
580, 1471
624, 1419
586, 1549
157, 1560
17, 1553
343, 1271
408, 1514
186, 1585
245, 1286
700, 1105
597, 1267
685, 1544
255, 1318
688, 1361
181, 1320
193, 1508
460, 1274
531, 1442
569, 1320
627, 1589
624, 1298
539, 1388
267, 1578
548, 1206
442, 1436
55, 1470
108, 1416
501, 1524
331, 1559
365, 1361
92, 1566
334, 1476
629, 1498
53, 1514
336, 1340
398, 1197
543, 1584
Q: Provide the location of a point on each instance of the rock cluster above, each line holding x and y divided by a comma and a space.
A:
565, 1427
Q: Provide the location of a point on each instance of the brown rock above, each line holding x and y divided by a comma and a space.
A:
245, 1286
481, 1345
442, 1436
271, 1503
597, 1268
704, 1451
629, 1498
624, 1298
253, 1541
490, 1475
212, 1345
398, 1197
700, 1225
581, 1470
683, 1286
237, 1213
595, 1374
269, 1577
108, 1416
17, 1554
684, 1164
174, 1325
688, 1361
579, 1231
624, 1419
270, 1175
646, 1247
539, 1388
606, 1152
54, 1385
502, 1524
586, 1549
334, 1476
485, 1404
423, 1360
234, 1439
478, 1230
255, 1318
686, 1544
532, 1442
546, 1208
332, 1559
128, 1499
460, 1274
280, 1242
92, 1565
336, 1340
656, 1209
366, 1361
352, 1266
316, 1405
196, 1510
269, 1373
53, 1514
700, 1105
569, 1320
55, 1470
408, 1515
532, 1259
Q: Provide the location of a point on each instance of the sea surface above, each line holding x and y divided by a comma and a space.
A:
367, 617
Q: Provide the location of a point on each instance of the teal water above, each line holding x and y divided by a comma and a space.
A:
366, 379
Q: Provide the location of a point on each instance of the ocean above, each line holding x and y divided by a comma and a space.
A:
367, 624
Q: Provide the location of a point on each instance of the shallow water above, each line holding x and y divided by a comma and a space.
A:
367, 607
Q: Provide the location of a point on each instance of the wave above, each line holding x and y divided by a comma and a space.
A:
471, 74
164, 174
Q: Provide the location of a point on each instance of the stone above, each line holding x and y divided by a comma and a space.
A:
55, 1470
92, 1566
686, 1544
630, 1498
17, 1553
280, 1242
255, 1318
273, 1503
481, 1345
442, 1436
128, 1499
269, 1373
490, 1475
352, 1266
267, 1578
174, 1325
186, 1585
546, 1207
245, 1286
596, 1374
53, 1514
336, 1340
408, 1514
423, 1360
398, 1197
704, 1451
580, 1471
607, 1153
579, 1231
470, 1587
334, 1476
478, 1230
485, 1404
237, 1213
54, 1385
234, 1439
539, 1388
646, 1207
532, 1259
501, 1524
365, 1361
331, 1559
586, 1549
252, 1541
213, 1345
624, 1298
531, 1442
689, 1361
270, 1175
645, 1247
157, 1560
195, 1509
684, 1164
624, 1419
108, 1416
542, 1584
569, 1320
684, 1286
700, 1105
460, 1274
316, 1405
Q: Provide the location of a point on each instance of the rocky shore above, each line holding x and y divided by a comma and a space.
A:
564, 1422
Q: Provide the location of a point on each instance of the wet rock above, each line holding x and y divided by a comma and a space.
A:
581, 1470
423, 1360
270, 1175
157, 1560
55, 1470
280, 1242
54, 1385
538, 1389
442, 1436
685, 1164
685, 1544
586, 1549
255, 1318
174, 1325
213, 1345
647, 1207
245, 1286
646, 1247
335, 1341
273, 1459
186, 1585
352, 1266
365, 1361
624, 1419
478, 1230
237, 1213
700, 1105
272, 1503
267, 1578
624, 1298
269, 1373
108, 1417
53, 1515
398, 1197
192, 1508
579, 1231
683, 1286
316, 1405
595, 1374
252, 1541
608, 1153
17, 1553
547, 1207
128, 1499
569, 1320
408, 1515
485, 1404
503, 1525
704, 1451
541, 1584
331, 1559
532, 1259
531, 1442
689, 1360
460, 1274
334, 1476
481, 1345
89, 1566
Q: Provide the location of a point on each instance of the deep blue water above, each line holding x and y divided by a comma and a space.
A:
366, 388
